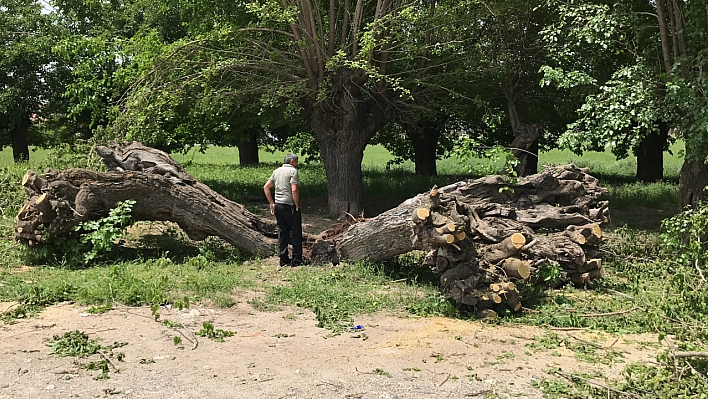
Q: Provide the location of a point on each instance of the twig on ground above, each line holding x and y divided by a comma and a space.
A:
331, 384
621, 312
587, 342
613, 344
444, 381
565, 328
620, 293
689, 354
571, 377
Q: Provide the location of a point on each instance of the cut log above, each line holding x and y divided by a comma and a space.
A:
420, 215
508, 247
448, 228
516, 268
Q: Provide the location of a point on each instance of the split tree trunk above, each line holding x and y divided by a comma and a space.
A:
480, 235
60, 200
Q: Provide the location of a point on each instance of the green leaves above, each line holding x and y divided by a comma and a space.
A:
99, 235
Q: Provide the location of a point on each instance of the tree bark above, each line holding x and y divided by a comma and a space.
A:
424, 137
163, 191
693, 179
650, 155
525, 148
20, 144
248, 151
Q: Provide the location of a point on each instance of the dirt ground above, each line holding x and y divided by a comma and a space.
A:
283, 354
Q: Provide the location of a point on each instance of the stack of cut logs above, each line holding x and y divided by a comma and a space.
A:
479, 246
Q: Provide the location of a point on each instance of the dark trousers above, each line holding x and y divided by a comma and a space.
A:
289, 231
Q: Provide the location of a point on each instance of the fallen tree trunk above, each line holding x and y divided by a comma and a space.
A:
479, 235
60, 200
482, 234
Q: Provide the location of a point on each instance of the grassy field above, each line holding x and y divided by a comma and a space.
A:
653, 281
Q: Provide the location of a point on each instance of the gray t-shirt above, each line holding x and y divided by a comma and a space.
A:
283, 177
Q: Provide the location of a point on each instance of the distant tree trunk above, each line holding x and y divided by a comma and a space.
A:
20, 145
650, 155
693, 180
248, 151
525, 148
424, 136
424, 152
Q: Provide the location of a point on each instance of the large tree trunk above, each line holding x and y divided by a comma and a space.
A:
342, 131
525, 148
345, 186
650, 155
60, 200
248, 151
693, 179
20, 144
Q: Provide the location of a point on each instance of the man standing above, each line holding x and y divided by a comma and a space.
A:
286, 209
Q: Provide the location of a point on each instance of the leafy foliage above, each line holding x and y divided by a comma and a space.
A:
98, 236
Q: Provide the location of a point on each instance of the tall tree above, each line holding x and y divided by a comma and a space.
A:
29, 78
344, 67
612, 51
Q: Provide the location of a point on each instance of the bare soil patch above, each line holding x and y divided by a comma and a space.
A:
283, 354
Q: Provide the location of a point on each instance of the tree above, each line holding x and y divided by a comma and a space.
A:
626, 110
29, 81
422, 139
343, 67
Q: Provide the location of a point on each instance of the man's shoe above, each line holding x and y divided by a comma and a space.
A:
296, 263
286, 263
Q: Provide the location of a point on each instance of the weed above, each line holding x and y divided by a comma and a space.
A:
176, 340
77, 344
172, 324
215, 334
382, 372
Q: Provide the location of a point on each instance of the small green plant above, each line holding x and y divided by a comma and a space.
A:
171, 324
549, 272
382, 372
99, 309
176, 340
217, 335
155, 310
78, 344
98, 236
